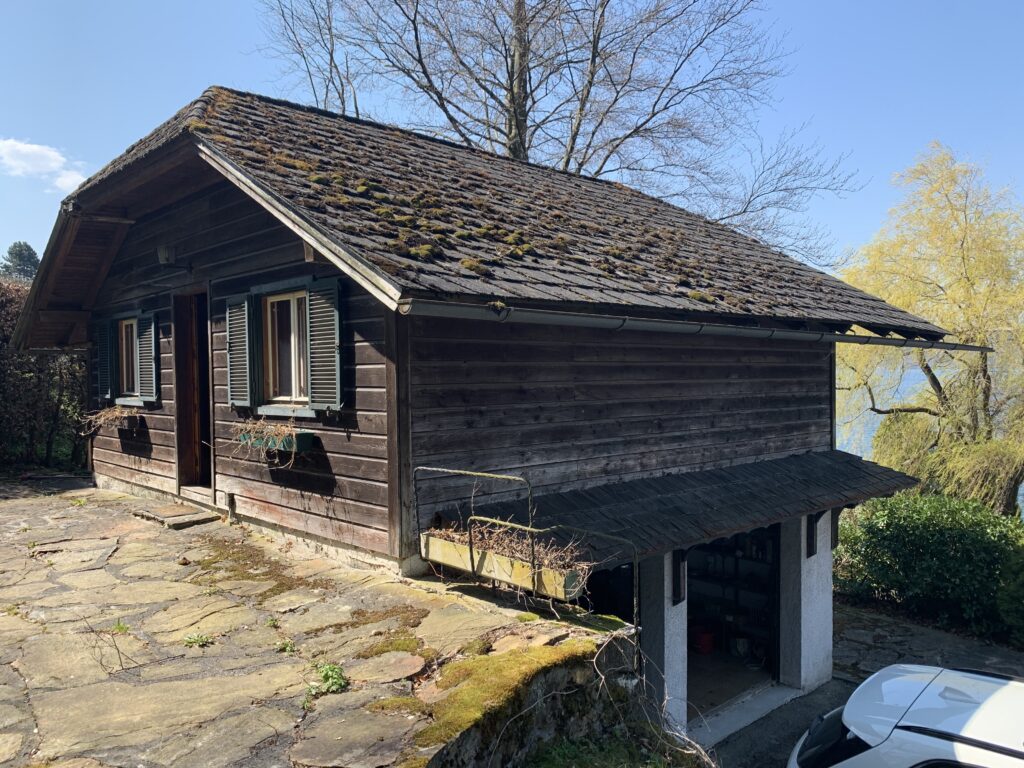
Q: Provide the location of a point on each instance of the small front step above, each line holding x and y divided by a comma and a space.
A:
200, 494
178, 516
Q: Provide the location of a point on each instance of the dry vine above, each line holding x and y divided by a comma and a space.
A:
516, 545
263, 435
115, 416
646, 724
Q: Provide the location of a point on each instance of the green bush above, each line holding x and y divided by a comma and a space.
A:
1011, 597
936, 557
43, 396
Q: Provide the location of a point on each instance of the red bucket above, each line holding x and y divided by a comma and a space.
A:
704, 641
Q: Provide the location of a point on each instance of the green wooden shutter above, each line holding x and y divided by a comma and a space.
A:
323, 339
240, 389
104, 361
146, 338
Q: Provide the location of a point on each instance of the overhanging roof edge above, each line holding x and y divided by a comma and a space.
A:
502, 313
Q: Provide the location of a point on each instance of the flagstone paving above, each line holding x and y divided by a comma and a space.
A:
866, 641
127, 643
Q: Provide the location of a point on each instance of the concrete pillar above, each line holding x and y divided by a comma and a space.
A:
805, 604
663, 640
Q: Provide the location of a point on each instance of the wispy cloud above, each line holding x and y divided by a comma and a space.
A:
22, 158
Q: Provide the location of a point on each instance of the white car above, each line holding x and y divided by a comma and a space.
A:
908, 716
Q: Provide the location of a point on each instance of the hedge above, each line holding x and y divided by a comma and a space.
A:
946, 560
42, 396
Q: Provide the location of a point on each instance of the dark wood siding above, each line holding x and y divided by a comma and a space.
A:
145, 457
339, 492
225, 244
570, 407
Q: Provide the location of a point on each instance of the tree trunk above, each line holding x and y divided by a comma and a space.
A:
986, 398
1011, 491
519, 85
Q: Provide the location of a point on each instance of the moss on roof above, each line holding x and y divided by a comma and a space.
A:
425, 212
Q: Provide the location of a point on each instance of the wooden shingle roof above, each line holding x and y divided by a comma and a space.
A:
677, 511
436, 220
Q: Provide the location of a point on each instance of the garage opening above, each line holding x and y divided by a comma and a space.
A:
733, 619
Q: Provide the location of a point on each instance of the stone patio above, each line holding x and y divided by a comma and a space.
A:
127, 643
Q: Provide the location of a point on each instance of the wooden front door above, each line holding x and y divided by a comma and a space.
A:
192, 389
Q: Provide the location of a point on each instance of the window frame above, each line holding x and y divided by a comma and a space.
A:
248, 346
299, 351
112, 356
122, 350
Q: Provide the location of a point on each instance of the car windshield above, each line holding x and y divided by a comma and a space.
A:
828, 742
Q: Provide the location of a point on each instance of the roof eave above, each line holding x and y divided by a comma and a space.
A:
375, 281
58, 238
501, 312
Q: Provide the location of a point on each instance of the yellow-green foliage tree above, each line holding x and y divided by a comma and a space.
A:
952, 252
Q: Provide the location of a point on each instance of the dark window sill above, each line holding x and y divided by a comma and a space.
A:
133, 402
294, 411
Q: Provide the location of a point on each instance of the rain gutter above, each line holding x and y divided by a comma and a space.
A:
502, 313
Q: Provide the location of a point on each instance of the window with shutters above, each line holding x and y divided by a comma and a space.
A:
285, 341
283, 349
128, 362
126, 359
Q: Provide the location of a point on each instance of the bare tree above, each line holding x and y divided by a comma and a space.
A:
304, 33
660, 94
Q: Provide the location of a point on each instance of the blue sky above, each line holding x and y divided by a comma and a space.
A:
877, 80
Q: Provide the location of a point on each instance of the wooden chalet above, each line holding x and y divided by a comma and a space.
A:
405, 302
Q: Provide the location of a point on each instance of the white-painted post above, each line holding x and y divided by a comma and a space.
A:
663, 639
805, 603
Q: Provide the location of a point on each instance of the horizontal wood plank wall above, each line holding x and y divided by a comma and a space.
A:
225, 241
573, 407
146, 456
340, 490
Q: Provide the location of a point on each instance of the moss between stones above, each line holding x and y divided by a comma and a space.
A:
408, 616
235, 560
396, 641
477, 647
409, 705
487, 683
597, 621
527, 616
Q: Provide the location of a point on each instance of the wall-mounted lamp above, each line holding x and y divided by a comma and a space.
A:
165, 254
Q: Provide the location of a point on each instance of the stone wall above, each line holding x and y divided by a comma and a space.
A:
569, 700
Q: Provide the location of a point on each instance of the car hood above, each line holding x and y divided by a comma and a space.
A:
979, 707
881, 701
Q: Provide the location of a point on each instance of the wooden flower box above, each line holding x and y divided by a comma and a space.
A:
560, 585
297, 442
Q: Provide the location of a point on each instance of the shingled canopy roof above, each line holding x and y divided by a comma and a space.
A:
415, 217
678, 511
